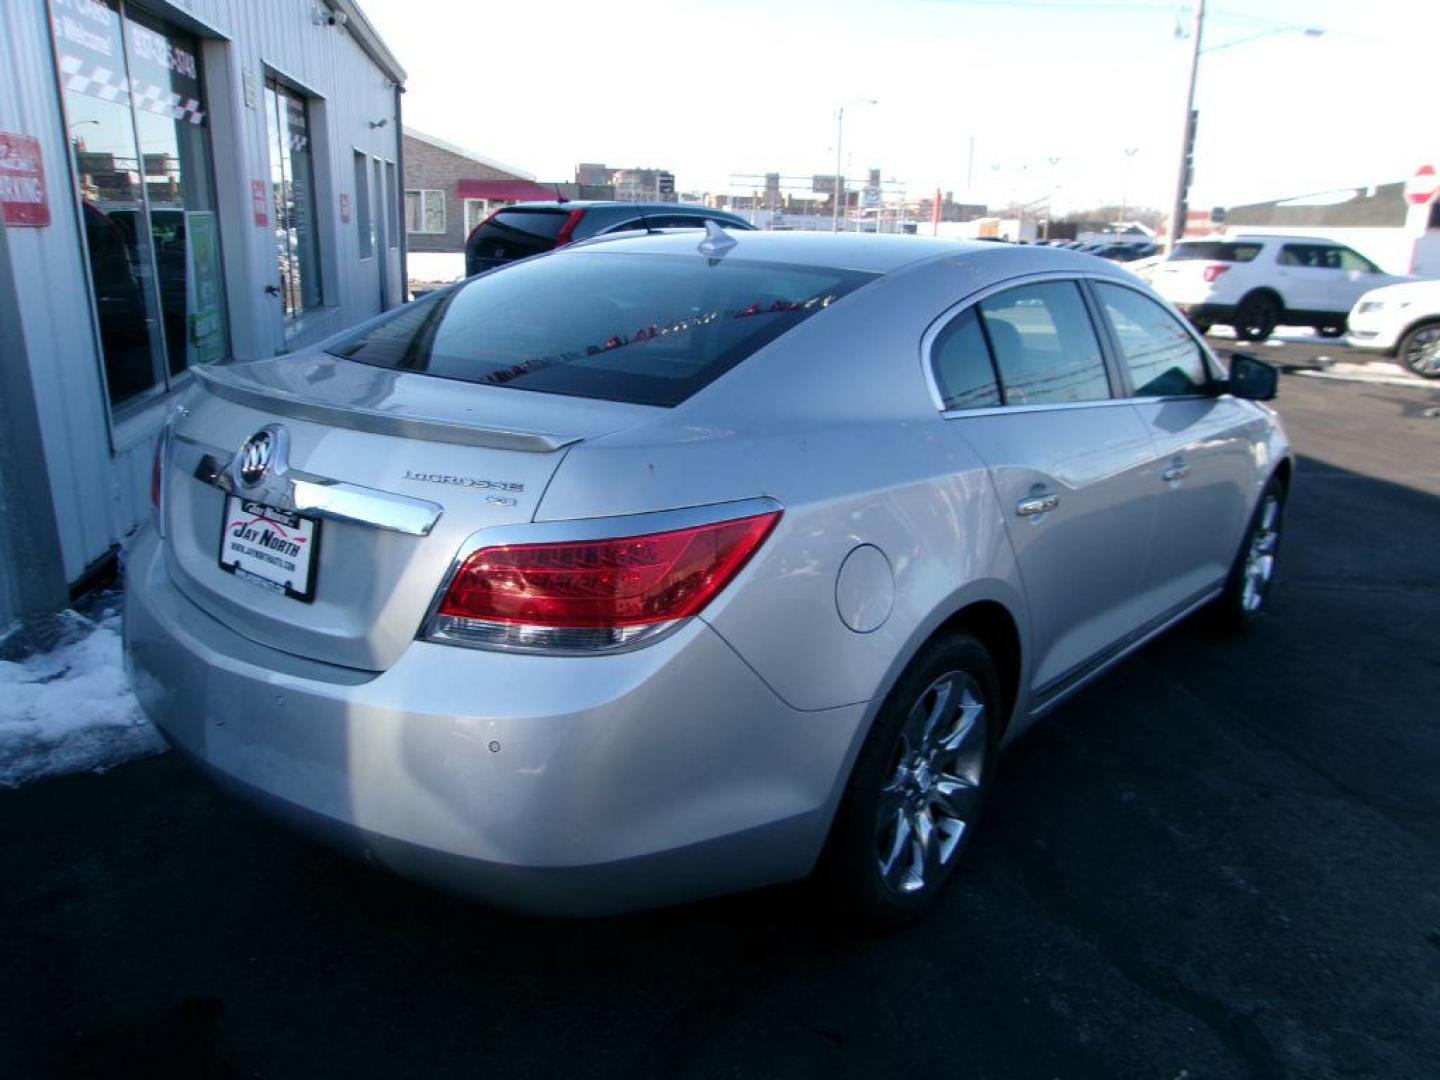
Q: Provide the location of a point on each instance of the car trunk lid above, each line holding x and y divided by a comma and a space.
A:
396, 468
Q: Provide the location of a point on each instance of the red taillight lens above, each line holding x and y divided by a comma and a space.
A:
1213, 272
594, 594
567, 230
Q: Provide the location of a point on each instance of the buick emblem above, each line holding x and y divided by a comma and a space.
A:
256, 454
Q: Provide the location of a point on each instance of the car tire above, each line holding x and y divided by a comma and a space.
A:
1419, 350
1247, 589
915, 793
1256, 317
1331, 330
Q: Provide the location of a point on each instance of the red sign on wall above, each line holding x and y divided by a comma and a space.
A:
22, 182
260, 202
344, 208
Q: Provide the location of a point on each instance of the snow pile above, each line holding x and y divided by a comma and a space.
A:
69, 708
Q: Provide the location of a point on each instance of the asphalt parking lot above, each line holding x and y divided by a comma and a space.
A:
1221, 860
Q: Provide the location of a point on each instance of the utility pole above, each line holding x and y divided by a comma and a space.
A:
839, 138
1187, 144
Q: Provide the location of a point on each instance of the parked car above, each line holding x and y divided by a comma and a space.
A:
1256, 283
658, 568
1402, 321
524, 229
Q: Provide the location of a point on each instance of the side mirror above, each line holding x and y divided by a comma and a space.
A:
1252, 378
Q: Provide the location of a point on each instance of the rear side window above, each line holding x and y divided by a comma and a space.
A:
648, 329
1311, 255
1044, 345
963, 370
1215, 251
515, 234
1163, 359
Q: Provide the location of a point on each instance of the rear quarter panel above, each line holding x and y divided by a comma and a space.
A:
834, 420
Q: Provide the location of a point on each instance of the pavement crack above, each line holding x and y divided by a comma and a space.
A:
1237, 1031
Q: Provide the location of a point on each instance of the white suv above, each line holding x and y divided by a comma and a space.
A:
1402, 321
1256, 283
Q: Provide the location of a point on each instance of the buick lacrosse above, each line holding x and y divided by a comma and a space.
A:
690, 562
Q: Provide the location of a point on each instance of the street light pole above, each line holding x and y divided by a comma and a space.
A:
1187, 146
1182, 185
839, 138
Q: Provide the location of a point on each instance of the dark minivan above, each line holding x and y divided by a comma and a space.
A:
524, 229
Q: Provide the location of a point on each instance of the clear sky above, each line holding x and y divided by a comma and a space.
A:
710, 89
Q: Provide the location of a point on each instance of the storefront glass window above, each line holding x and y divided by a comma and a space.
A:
292, 179
139, 133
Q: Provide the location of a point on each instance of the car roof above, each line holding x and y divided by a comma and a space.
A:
616, 204
1259, 238
850, 251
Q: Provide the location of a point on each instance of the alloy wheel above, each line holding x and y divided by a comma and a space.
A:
932, 786
1260, 557
1422, 352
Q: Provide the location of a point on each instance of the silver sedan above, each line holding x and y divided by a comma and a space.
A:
687, 563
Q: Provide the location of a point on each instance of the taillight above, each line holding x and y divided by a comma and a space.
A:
567, 230
1213, 272
594, 594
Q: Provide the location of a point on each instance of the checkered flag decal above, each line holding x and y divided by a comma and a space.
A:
101, 82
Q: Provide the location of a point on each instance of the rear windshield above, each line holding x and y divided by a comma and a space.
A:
648, 329
1215, 251
514, 234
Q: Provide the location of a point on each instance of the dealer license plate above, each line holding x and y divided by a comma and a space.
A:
272, 548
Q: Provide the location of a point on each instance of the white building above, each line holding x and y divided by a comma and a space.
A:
183, 181
1378, 221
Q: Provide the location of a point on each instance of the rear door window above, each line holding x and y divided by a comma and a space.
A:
649, 329
1161, 356
1313, 256
1044, 345
515, 234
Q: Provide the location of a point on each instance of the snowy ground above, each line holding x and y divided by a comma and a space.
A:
68, 708
435, 266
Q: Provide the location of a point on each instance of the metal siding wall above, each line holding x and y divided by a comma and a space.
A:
54, 301
101, 497
279, 36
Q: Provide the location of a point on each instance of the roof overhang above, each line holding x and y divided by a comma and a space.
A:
363, 30
505, 191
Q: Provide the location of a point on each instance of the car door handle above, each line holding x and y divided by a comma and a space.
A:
1037, 504
1175, 472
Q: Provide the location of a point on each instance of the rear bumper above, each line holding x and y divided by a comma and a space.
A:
546, 784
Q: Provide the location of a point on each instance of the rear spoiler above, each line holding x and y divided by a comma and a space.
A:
223, 383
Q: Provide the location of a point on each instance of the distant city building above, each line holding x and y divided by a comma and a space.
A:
950, 210
627, 185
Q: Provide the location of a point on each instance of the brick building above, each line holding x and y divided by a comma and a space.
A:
449, 189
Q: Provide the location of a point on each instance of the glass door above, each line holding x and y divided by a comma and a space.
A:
139, 138
100, 126
292, 181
